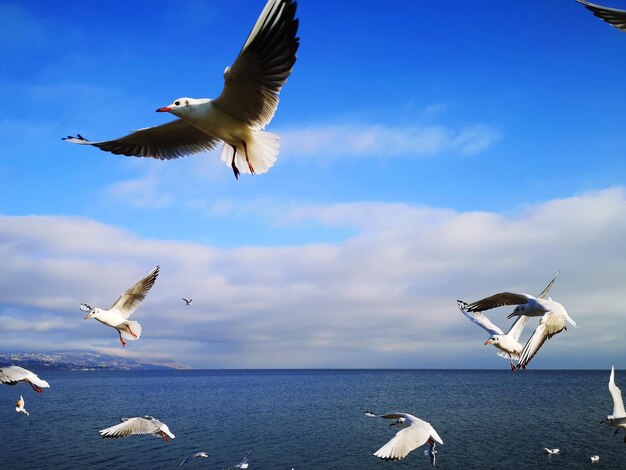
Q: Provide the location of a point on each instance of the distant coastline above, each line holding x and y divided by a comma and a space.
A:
82, 360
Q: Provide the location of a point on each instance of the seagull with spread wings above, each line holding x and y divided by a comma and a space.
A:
117, 315
617, 419
413, 433
138, 425
19, 406
237, 116
197, 455
508, 343
553, 317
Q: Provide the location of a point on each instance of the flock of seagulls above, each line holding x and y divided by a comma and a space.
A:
236, 118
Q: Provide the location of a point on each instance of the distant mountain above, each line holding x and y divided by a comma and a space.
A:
82, 360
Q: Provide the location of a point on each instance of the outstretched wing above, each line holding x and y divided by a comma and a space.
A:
548, 287
481, 320
494, 301
172, 140
616, 394
130, 300
405, 440
612, 16
550, 325
253, 82
13, 374
518, 326
128, 427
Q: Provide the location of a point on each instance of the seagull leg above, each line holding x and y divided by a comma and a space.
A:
233, 165
511, 363
164, 437
36, 388
131, 332
121, 340
245, 148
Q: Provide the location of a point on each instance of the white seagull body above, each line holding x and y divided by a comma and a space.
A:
197, 455
414, 433
12, 375
553, 316
612, 16
246, 105
19, 406
552, 451
117, 315
138, 425
508, 343
617, 419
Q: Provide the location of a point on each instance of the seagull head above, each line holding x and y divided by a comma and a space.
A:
495, 339
93, 314
178, 107
400, 422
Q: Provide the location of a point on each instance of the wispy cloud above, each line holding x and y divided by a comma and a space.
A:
140, 192
357, 140
384, 297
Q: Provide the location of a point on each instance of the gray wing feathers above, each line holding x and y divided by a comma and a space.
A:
612, 16
172, 140
494, 301
253, 82
130, 300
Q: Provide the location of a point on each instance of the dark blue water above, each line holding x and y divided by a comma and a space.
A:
310, 419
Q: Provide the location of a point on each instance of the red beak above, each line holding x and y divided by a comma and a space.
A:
86, 316
487, 342
163, 110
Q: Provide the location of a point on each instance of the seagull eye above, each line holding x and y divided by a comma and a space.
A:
177, 103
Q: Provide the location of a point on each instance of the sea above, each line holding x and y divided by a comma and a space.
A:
312, 419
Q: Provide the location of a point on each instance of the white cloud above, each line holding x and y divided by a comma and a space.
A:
340, 140
385, 297
140, 192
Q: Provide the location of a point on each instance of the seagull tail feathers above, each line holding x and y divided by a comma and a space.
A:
136, 327
262, 151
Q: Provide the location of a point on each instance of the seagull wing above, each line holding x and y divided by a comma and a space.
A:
405, 440
548, 287
612, 16
172, 140
253, 82
481, 320
13, 374
616, 394
130, 426
130, 300
186, 458
494, 301
550, 325
518, 327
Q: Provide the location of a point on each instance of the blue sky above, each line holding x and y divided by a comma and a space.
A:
398, 124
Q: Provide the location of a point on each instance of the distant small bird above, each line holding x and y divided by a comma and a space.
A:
595, 458
19, 406
138, 425
431, 452
246, 105
85, 308
618, 418
244, 463
187, 302
552, 451
612, 16
413, 434
117, 315
12, 375
197, 455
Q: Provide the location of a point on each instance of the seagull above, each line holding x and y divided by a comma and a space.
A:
187, 302
246, 105
612, 16
138, 425
552, 451
85, 308
508, 344
13, 374
595, 458
552, 314
19, 406
244, 463
197, 455
117, 315
413, 433
431, 452
618, 418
